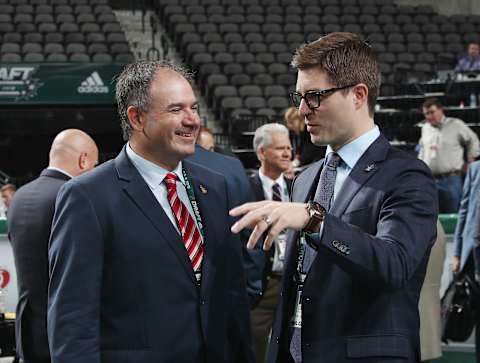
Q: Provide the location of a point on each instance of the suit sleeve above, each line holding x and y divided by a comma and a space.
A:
389, 254
462, 215
76, 264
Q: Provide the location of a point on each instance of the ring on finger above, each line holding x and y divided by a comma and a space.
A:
267, 220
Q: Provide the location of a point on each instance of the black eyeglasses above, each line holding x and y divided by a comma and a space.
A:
313, 98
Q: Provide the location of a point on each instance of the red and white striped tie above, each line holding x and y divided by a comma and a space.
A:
187, 226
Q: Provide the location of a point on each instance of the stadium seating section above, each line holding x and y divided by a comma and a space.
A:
241, 49
61, 31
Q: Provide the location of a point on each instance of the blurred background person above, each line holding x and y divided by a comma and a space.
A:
471, 62
304, 151
7, 192
72, 153
447, 146
206, 139
466, 250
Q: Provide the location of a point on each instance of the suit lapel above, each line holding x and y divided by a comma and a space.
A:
141, 195
205, 197
363, 170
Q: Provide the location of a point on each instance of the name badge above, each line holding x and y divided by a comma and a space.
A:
296, 321
281, 243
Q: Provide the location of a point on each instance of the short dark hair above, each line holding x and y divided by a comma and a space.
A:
133, 87
346, 59
8, 187
429, 102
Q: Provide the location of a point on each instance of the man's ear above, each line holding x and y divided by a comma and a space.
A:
82, 161
261, 153
360, 93
135, 117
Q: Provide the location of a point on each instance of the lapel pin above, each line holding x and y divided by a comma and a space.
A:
370, 167
202, 188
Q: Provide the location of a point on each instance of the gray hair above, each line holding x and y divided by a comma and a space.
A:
263, 135
133, 87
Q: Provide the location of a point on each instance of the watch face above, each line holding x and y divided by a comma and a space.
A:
315, 208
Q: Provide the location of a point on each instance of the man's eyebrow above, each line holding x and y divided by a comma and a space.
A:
181, 104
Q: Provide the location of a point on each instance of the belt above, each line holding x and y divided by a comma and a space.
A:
447, 174
276, 275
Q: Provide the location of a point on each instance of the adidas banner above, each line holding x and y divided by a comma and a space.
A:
67, 84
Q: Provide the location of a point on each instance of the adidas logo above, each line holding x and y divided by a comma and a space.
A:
93, 84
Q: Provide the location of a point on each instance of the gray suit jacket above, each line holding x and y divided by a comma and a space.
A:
467, 232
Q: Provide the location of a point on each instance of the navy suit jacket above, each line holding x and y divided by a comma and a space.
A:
467, 231
360, 297
29, 221
239, 192
122, 287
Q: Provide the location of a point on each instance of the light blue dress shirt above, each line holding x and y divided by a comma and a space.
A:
350, 154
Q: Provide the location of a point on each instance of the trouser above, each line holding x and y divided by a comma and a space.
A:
449, 193
262, 317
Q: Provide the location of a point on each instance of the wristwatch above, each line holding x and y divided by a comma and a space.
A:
317, 215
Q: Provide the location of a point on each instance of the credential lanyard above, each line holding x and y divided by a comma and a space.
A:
198, 217
193, 203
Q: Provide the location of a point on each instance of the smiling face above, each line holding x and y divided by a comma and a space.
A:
333, 122
166, 133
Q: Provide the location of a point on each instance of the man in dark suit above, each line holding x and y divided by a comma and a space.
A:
72, 153
239, 192
362, 222
143, 265
271, 143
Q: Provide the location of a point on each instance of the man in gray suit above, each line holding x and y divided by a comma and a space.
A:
466, 253
362, 222
72, 153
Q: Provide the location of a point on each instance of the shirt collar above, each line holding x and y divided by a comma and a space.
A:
268, 182
60, 171
152, 173
353, 151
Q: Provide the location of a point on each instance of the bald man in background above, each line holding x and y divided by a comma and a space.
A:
72, 153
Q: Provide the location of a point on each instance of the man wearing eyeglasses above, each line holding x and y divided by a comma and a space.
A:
361, 222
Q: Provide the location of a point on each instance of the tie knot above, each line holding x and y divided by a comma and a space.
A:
333, 159
170, 180
276, 194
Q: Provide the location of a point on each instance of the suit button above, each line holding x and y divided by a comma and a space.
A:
281, 293
306, 299
271, 259
268, 278
277, 339
202, 302
307, 345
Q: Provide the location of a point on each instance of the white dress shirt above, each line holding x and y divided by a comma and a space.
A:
153, 176
281, 240
267, 184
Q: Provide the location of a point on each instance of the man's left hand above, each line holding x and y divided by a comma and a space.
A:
271, 216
